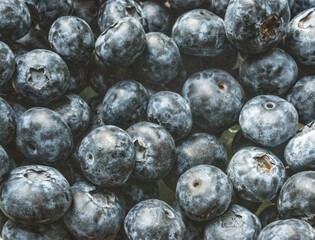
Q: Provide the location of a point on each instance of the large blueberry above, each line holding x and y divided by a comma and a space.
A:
94, 213
7, 122
199, 33
204, 192
256, 174
154, 219
197, 149
268, 120
106, 156
155, 151
35, 194
41, 76
215, 99
7, 64
43, 137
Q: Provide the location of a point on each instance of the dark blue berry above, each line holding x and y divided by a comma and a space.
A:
7, 122
7, 64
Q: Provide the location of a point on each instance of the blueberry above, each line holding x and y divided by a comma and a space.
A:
43, 137
74, 111
106, 156
170, 110
121, 43
268, 120
41, 76
215, 99
35, 194
197, 149
297, 197
299, 38
124, 104
183, 5
160, 61
302, 97
287, 229
300, 5
273, 72
236, 223
155, 151
4, 163
7, 122
16, 231
95, 213
199, 33
256, 26
7, 64
268, 215
256, 174
112, 11
204, 192
72, 38
15, 19
157, 16
153, 219
218, 7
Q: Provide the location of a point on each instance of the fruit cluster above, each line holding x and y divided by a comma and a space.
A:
112, 109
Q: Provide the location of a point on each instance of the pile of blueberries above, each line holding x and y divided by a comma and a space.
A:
102, 102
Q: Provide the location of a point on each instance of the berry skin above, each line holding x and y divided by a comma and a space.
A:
35, 194
4, 163
302, 96
300, 37
121, 43
215, 99
236, 223
87, 10
72, 38
297, 197
268, 120
199, 33
155, 151
204, 192
287, 229
41, 76
7, 122
7, 64
43, 137
106, 156
183, 5
94, 213
153, 219
256, 174
218, 7
256, 26
170, 110
299, 6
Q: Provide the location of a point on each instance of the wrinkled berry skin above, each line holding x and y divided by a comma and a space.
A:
297, 197
268, 215
197, 149
7, 64
170, 110
268, 120
218, 7
112, 11
106, 156
236, 223
302, 96
215, 99
72, 38
7, 122
300, 37
121, 43
257, 175
157, 16
124, 104
43, 137
154, 219
256, 26
35, 194
16, 231
200, 33
204, 192
299, 152
287, 229
4, 163
183, 5
41, 76
160, 61
273, 72
95, 213
155, 151
15, 19
300, 5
